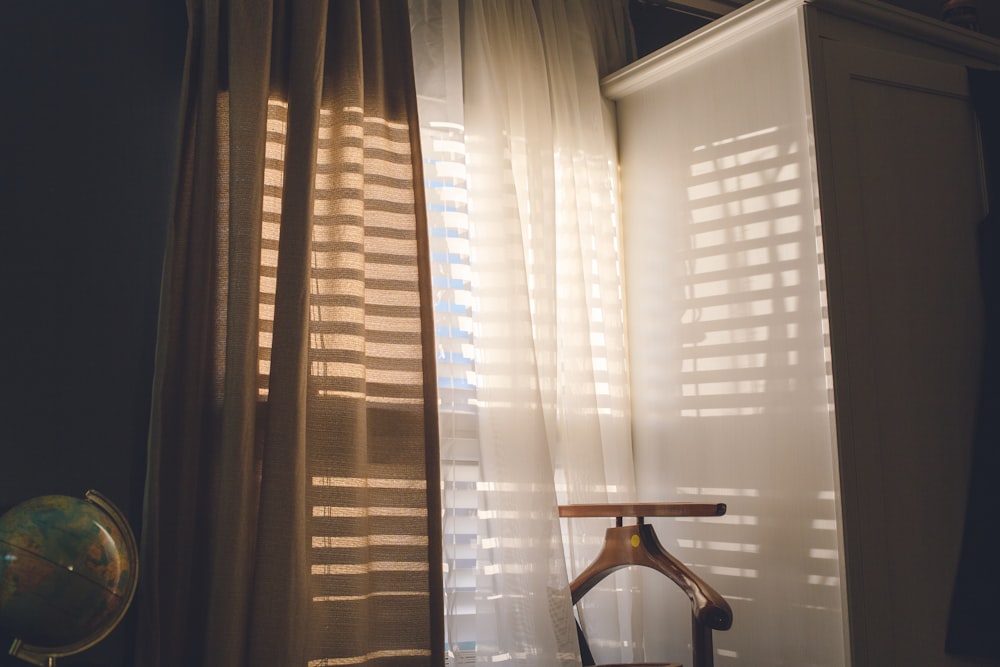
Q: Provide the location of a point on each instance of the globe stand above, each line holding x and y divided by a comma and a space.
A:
45, 656
18, 650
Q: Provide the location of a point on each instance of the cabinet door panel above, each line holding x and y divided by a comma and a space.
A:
901, 192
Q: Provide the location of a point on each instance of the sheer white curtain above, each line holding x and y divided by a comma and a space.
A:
538, 176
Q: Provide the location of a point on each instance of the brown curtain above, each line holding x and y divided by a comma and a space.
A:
292, 511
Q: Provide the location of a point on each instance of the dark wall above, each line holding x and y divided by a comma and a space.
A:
988, 11
89, 97
656, 24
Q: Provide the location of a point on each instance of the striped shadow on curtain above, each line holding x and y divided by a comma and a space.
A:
292, 514
368, 528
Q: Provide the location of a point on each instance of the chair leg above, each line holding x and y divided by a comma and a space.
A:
585, 654
701, 644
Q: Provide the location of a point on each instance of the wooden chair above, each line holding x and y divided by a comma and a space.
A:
637, 545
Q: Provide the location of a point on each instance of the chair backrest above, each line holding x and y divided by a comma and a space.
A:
637, 544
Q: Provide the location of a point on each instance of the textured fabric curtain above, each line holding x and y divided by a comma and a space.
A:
551, 384
292, 508
538, 172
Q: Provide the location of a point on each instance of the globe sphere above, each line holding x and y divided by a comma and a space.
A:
67, 571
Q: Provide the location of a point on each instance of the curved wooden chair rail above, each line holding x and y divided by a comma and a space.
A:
637, 544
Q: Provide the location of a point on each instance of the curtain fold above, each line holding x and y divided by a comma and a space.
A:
537, 168
292, 503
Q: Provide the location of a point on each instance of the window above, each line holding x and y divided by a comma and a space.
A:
443, 146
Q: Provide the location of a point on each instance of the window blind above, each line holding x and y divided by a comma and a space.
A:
443, 146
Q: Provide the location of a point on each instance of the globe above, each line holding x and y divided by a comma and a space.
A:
68, 572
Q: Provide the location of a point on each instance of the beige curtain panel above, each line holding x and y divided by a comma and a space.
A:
292, 511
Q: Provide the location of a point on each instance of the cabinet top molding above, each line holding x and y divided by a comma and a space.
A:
749, 19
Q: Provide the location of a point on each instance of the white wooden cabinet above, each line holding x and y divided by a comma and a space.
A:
801, 188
